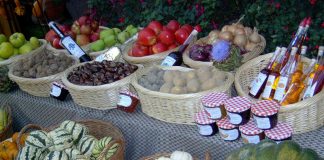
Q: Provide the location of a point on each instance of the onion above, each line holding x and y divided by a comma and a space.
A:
238, 25
213, 36
250, 46
225, 28
255, 37
227, 35
232, 28
240, 40
248, 31
239, 31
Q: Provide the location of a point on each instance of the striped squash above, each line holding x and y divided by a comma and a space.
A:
38, 139
86, 144
77, 130
100, 146
72, 153
62, 139
30, 153
56, 155
112, 150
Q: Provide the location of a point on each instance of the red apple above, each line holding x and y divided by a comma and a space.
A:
187, 27
85, 29
156, 26
70, 33
82, 39
181, 35
172, 46
65, 28
75, 28
94, 25
50, 36
138, 51
166, 37
173, 25
147, 37
56, 43
159, 47
94, 36
83, 20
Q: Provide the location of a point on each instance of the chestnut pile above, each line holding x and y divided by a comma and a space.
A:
100, 73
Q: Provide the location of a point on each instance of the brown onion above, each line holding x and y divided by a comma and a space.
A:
225, 28
213, 36
239, 25
227, 35
248, 31
255, 37
239, 31
232, 28
250, 46
240, 40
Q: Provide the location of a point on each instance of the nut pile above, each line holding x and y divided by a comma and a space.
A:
99, 73
153, 80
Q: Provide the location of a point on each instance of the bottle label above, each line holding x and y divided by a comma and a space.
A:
250, 139
281, 88
267, 90
205, 130
72, 47
257, 83
168, 61
229, 135
309, 81
262, 123
308, 91
56, 91
124, 101
234, 118
215, 113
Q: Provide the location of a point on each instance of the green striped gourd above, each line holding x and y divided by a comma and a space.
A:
112, 150
56, 155
72, 153
86, 145
30, 153
38, 139
77, 130
100, 146
62, 139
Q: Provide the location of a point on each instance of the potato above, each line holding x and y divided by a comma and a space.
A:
168, 76
176, 90
219, 80
179, 81
191, 75
166, 87
193, 86
220, 75
204, 77
209, 84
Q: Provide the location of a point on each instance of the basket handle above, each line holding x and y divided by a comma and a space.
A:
24, 130
107, 147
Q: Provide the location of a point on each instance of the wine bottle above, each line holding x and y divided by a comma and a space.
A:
317, 82
69, 44
175, 58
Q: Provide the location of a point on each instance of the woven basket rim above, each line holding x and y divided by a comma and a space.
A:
227, 84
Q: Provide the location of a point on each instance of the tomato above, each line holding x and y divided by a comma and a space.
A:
173, 25
159, 47
147, 37
166, 37
156, 26
181, 35
187, 27
139, 51
172, 46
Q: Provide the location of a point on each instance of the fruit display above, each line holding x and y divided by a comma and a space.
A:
42, 64
69, 141
177, 155
112, 36
16, 44
156, 38
9, 149
5, 83
100, 73
177, 82
270, 150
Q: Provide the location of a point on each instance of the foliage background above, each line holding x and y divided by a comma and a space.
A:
277, 20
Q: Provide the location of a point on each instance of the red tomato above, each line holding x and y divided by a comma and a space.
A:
167, 37
172, 46
173, 25
159, 47
156, 26
138, 51
181, 35
187, 27
198, 28
146, 37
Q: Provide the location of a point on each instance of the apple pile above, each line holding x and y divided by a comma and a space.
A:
83, 31
156, 38
113, 36
16, 45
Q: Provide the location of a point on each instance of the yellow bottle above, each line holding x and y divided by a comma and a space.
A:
319, 56
300, 65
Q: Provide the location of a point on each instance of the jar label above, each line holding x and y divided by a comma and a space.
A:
205, 130
280, 91
251, 139
72, 47
215, 113
234, 118
229, 135
267, 90
56, 91
257, 83
262, 123
124, 100
168, 61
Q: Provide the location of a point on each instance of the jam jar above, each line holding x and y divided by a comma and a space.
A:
228, 131
238, 110
206, 126
265, 114
282, 131
214, 105
251, 133
59, 91
128, 101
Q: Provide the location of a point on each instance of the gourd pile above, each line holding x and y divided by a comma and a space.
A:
177, 155
70, 141
177, 82
42, 65
5, 83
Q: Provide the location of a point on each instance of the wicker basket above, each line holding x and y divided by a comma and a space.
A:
98, 97
12, 59
40, 87
203, 41
7, 130
304, 116
174, 108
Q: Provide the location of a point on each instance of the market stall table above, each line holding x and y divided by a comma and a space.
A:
144, 135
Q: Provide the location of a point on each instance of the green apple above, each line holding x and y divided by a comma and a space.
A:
106, 33
26, 48
1, 59
98, 45
17, 39
129, 27
122, 37
3, 38
133, 31
110, 41
16, 51
116, 30
6, 50
35, 43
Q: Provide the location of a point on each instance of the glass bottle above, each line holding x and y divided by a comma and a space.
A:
317, 82
259, 82
300, 65
319, 56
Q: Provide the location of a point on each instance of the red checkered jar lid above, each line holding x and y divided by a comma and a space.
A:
127, 92
281, 131
237, 104
265, 108
213, 100
225, 124
250, 128
202, 118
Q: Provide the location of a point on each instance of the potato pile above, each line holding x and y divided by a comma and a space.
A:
42, 65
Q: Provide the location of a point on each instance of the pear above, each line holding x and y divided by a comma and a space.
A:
117, 31
106, 33
110, 41
123, 36
98, 45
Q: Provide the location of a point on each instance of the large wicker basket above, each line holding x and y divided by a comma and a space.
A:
40, 87
203, 41
174, 108
98, 97
304, 116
